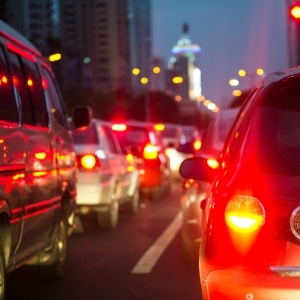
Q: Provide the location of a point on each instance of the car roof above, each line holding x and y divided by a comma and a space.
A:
9, 32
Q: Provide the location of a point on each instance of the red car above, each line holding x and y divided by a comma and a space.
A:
250, 246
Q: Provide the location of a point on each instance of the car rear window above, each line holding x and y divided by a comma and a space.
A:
86, 136
277, 129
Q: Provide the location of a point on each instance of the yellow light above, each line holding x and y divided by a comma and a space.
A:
242, 73
295, 12
213, 163
119, 127
177, 79
237, 93
206, 102
159, 127
156, 70
144, 80
54, 57
260, 72
135, 71
88, 161
150, 151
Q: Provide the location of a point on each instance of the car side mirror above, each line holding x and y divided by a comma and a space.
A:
82, 116
197, 168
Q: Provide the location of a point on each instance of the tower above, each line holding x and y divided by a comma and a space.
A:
183, 64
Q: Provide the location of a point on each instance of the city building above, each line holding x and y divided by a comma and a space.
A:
35, 19
183, 76
103, 40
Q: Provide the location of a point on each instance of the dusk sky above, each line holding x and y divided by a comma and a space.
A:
232, 34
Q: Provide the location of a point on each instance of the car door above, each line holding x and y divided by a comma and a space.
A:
119, 162
41, 196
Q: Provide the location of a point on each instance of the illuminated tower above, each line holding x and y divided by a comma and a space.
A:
183, 64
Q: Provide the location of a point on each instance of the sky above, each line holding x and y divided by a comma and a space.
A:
232, 34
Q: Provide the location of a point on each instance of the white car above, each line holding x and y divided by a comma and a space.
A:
107, 177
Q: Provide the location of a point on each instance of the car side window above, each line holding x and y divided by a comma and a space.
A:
55, 98
8, 105
233, 144
28, 84
112, 142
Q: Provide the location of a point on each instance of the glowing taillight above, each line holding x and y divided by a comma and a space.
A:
88, 161
244, 214
159, 127
150, 152
118, 127
213, 163
197, 145
130, 158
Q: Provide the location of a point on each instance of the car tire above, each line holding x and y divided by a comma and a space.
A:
2, 274
108, 219
55, 269
132, 205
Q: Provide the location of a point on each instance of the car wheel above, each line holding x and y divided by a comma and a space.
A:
56, 267
109, 218
2, 275
131, 206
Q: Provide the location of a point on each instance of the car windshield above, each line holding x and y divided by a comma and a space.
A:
85, 136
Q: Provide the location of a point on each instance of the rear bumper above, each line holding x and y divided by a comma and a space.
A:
149, 178
249, 284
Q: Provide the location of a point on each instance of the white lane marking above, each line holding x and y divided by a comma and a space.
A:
149, 259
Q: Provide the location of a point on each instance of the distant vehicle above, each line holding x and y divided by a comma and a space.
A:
143, 141
189, 144
38, 169
107, 178
193, 192
250, 228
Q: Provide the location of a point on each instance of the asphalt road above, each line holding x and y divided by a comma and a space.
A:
140, 259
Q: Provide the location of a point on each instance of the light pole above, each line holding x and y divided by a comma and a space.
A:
144, 81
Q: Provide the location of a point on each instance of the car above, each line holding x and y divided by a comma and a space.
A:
250, 228
193, 191
144, 143
189, 144
107, 178
38, 167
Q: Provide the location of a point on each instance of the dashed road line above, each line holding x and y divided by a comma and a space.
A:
151, 256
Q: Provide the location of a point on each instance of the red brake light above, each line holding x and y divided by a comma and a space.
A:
244, 214
150, 152
118, 127
88, 161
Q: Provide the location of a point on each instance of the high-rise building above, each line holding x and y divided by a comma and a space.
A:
103, 40
183, 78
35, 19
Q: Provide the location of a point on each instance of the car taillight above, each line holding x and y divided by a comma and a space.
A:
159, 127
212, 163
88, 161
150, 152
197, 145
118, 127
244, 214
